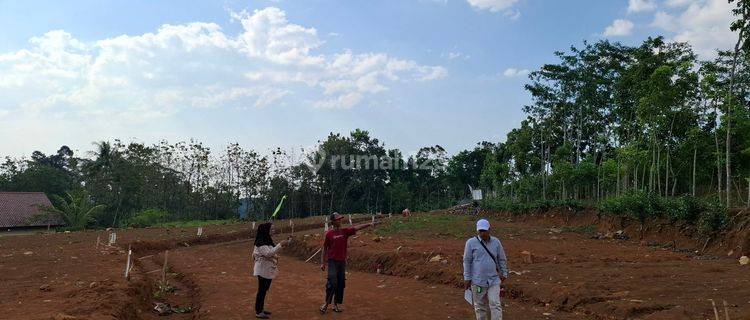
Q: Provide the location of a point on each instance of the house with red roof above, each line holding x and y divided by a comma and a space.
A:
23, 210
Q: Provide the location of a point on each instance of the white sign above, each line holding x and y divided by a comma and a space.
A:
476, 194
112, 238
468, 297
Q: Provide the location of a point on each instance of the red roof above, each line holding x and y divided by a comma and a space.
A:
19, 209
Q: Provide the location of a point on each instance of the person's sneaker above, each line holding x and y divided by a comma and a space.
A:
267, 312
262, 316
336, 308
323, 309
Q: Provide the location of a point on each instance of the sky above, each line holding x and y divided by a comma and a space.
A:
284, 73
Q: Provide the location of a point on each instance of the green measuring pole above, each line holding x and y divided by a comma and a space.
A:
278, 208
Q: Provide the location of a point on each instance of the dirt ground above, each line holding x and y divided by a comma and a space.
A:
558, 272
570, 272
224, 274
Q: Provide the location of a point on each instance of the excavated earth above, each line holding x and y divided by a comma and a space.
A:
565, 265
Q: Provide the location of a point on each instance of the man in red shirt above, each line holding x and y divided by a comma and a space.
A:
334, 254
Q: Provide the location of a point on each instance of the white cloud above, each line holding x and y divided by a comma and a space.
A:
619, 28
155, 75
514, 72
664, 21
679, 3
703, 24
456, 55
492, 5
641, 5
512, 14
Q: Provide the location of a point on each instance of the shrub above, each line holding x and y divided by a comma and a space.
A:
148, 218
714, 218
708, 214
507, 205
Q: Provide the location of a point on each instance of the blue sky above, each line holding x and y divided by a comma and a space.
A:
285, 73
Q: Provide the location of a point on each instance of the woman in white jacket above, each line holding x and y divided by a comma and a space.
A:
266, 257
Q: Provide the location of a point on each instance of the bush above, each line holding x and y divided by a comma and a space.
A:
637, 204
708, 214
149, 218
714, 218
504, 204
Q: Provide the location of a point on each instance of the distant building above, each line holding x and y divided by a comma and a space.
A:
22, 210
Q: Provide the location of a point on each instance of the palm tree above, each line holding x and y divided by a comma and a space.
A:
75, 209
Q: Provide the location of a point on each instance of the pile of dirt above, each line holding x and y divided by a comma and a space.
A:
394, 263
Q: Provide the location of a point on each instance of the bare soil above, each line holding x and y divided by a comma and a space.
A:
572, 274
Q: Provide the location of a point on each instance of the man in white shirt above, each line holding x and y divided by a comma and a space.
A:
485, 268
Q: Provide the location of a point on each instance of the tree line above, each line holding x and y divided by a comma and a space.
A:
135, 183
607, 122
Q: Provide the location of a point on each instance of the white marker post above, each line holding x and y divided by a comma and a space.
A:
291, 224
389, 215
350, 220
200, 231
98, 241
373, 219
112, 238
127, 264
253, 225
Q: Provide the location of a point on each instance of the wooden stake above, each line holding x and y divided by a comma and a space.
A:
164, 271
350, 220
127, 264
314, 254
726, 310
97, 242
716, 312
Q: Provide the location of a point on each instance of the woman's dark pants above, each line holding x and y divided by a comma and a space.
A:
263, 286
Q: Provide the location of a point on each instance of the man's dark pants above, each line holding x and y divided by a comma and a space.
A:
336, 281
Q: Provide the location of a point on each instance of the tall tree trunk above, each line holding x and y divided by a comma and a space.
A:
728, 115
718, 151
658, 170
617, 177
695, 155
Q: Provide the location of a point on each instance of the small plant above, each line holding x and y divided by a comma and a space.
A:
162, 289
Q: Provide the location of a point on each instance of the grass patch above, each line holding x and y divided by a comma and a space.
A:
457, 226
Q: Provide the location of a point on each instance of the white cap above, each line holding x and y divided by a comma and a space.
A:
483, 224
